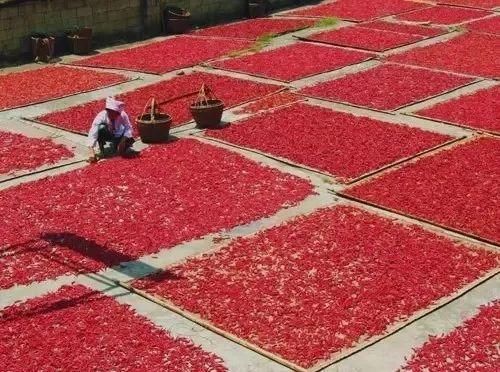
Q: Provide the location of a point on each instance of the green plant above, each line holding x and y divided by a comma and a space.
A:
261, 42
40, 34
72, 31
326, 22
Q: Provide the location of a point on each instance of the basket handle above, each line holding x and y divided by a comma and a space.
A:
153, 107
205, 94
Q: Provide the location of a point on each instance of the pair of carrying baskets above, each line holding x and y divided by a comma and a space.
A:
154, 126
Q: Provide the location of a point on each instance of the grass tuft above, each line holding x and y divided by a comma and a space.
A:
326, 22
262, 42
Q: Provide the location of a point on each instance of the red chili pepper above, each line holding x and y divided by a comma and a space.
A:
276, 63
480, 63
29, 87
359, 10
269, 103
471, 347
341, 144
365, 38
102, 215
489, 25
478, 110
168, 55
406, 28
444, 15
370, 88
295, 289
463, 180
18, 152
76, 328
483, 4
230, 90
254, 28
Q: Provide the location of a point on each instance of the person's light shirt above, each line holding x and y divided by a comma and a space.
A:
120, 128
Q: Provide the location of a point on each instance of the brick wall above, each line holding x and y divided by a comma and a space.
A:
111, 20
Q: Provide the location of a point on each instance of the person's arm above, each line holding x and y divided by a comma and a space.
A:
127, 132
128, 127
93, 136
92, 156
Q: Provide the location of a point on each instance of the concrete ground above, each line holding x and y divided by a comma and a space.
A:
386, 355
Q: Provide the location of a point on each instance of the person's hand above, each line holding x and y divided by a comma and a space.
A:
121, 146
92, 156
92, 159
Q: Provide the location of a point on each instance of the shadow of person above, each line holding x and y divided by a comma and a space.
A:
58, 242
85, 247
58, 305
102, 255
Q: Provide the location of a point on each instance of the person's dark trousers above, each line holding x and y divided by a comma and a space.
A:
104, 135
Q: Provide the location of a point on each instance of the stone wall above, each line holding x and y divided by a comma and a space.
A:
112, 20
209, 12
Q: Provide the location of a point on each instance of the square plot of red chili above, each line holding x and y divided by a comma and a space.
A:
76, 328
337, 143
48, 83
458, 188
489, 25
482, 4
365, 38
359, 10
322, 283
445, 15
174, 96
18, 152
168, 55
479, 110
405, 28
470, 347
122, 209
270, 102
294, 62
455, 55
255, 28
387, 87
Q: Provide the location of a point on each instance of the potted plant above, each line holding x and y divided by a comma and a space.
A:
176, 20
81, 40
207, 109
154, 126
42, 46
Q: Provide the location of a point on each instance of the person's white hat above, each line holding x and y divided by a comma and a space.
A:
113, 104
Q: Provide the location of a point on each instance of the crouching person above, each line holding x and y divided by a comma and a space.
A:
111, 125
